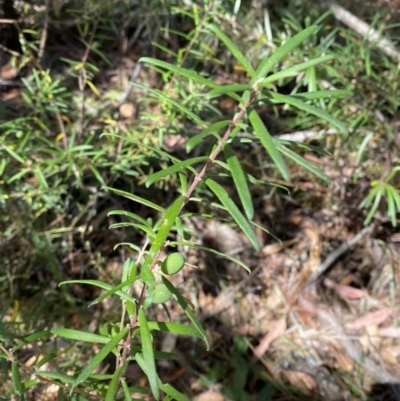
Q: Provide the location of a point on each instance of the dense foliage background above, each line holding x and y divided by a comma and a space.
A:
66, 74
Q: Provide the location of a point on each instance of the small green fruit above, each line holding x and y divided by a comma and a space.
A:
161, 294
173, 263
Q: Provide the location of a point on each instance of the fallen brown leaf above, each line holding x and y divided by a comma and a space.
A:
345, 291
389, 355
372, 318
277, 328
393, 332
300, 380
210, 396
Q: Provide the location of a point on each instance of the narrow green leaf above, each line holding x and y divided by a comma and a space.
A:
98, 358
158, 355
267, 231
113, 387
148, 355
129, 214
30, 338
135, 198
233, 50
249, 177
29, 383
80, 335
56, 376
239, 178
125, 388
294, 70
176, 168
374, 206
233, 210
266, 65
304, 163
395, 194
172, 392
97, 174
363, 145
147, 275
184, 305
129, 270
180, 71
211, 129
176, 328
391, 206
167, 223
141, 227
16, 379
309, 109
262, 133
45, 359
123, 286
142, 145
229, 90
160, 95
131, 308
100, 284
322, 94
13, 154
220, 254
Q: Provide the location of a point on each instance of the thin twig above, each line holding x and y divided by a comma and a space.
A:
128, 90
337, 253
43, 38
363, 29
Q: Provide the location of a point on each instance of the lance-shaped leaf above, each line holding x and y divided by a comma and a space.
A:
98, 358
211, 129
173, 393
302, 162
130, 215
267, 64
176, 328
175, 168
28, 339
148, 355
239, 178
262, 133
100, 284
128, 271
78, 335
56, 376
233, 210
45, 359
162, 234
204, 248
233, 50
186, 308
230, 90
180, 71
135, 198
160, 95
16, 379
308, 108
322, 94
288, 72
123, 286
142, 145
113, 386
145, 228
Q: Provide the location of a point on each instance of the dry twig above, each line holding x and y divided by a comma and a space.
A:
363, 29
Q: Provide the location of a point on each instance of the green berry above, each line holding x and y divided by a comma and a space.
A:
173, 263
161, 294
